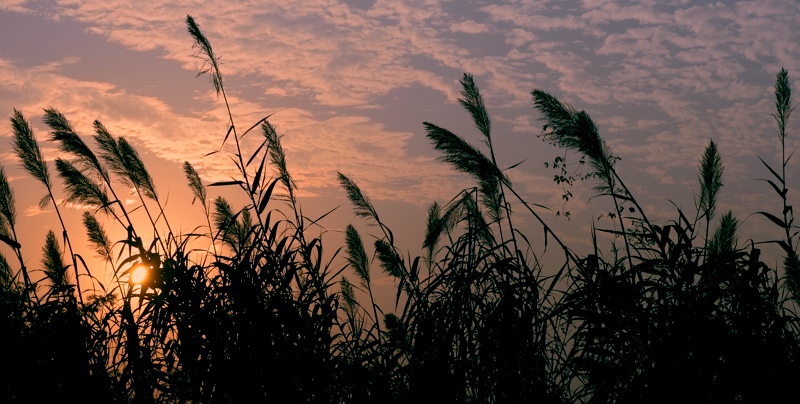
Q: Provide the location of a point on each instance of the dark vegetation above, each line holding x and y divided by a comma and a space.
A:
676, 311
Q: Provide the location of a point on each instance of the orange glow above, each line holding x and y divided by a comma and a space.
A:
139, 274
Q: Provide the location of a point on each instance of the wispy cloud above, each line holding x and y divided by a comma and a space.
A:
316, 147
661, 78
469, 27
35, 210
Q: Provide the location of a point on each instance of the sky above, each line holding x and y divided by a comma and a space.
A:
349, 83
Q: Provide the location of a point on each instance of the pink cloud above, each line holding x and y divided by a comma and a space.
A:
469, 27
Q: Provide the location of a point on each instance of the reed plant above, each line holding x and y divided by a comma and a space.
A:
248, 306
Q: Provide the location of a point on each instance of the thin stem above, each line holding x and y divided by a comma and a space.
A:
69, 245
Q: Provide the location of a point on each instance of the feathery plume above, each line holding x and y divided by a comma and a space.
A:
69, 142
278, 157
710, 178
53, 264
575, 130
195, 184
356, 255
724, 240
389, 259
97, 236
136, 170
783, 102
8, 210
80, 188
361, 203
465, 158
27, 149
210, 65
472, 101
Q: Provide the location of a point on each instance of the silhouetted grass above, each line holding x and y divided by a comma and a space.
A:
244, 308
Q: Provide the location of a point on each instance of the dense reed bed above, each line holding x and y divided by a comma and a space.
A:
676, 311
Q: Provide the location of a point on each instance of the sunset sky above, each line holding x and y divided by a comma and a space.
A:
350, 83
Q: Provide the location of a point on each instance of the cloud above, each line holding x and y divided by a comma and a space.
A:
469, 27
518, 38
316, 147
35, 210
660, 78
609, 12
662, 175
334, 54
533, 16
14, 5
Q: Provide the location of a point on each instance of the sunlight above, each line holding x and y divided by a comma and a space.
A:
139, 274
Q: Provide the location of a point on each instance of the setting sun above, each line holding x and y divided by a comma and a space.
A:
139, 274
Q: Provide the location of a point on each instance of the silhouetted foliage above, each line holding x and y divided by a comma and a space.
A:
245, 308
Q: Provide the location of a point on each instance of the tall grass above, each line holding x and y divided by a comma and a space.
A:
248, 306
